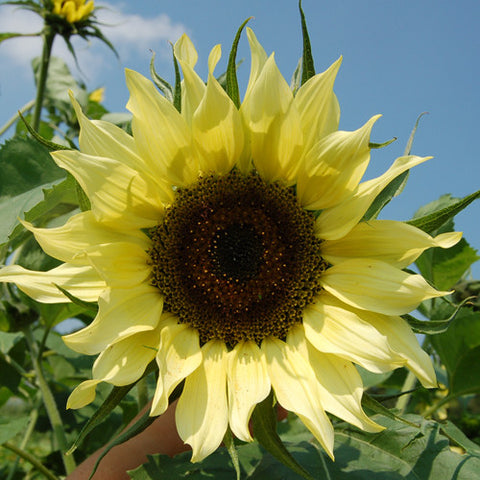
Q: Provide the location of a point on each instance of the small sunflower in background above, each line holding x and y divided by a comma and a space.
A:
228, 245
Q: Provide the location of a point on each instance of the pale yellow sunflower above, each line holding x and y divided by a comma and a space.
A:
73, 10
228, 245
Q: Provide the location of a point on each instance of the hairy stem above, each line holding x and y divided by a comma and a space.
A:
48, 37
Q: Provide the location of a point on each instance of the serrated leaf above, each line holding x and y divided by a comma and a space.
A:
264, 423
308, 66
232, 82
376, 407
431, 222
450, 430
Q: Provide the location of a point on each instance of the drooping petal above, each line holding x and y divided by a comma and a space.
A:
121, 313
118, 194
161, 133
178, 356
121, 264
274, 125
79, 233
334, 167
336, 222
217, 129
335, 328
82, 282
202, 410
318, 106
296, 389
193, 87
83, 394
403, 341
395, 243
248, 384
377, 286
124, 362
339, 383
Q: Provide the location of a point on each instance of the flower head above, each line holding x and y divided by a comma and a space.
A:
73, 10
228, 245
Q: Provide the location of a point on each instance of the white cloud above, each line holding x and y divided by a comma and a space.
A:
131, 34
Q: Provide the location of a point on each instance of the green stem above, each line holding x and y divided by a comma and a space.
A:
12, 120
408, 384
31, 459
50, 405
48, 37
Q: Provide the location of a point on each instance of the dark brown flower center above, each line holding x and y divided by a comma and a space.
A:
236, 258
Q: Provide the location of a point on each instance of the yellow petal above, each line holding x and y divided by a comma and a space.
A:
121, 313
248, 384
274, 126
193, 87
335, 328
118, 194
333, 168
161, 133
121, 264
318, 106
376, 286
296, 389
178, 356
336, 222
83, 394
79, 233
202, 411
82, 282
339, 383
125, 361
395, 243
259, 58
405, 343
218, 130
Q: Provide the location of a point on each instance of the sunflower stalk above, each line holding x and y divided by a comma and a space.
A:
49, 402
48, 37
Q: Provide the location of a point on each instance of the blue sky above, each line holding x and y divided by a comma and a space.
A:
401, 58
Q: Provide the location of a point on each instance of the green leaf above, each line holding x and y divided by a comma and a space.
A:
25, 164
161, 84
10, 427
114, 398
384, 197
450, 430
232, 451
138, 427
433, 327
445, 267
6, 35
59, 82
373, 145
459, 350
308, 66
177, 92
296, 77
232, 82
8, 340
399, 452
377, 407
42, 140
265, 431
92, 307
431, 222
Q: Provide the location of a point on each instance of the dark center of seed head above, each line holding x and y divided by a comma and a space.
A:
236, 252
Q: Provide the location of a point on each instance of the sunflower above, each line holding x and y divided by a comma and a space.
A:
73, 10
228, 244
